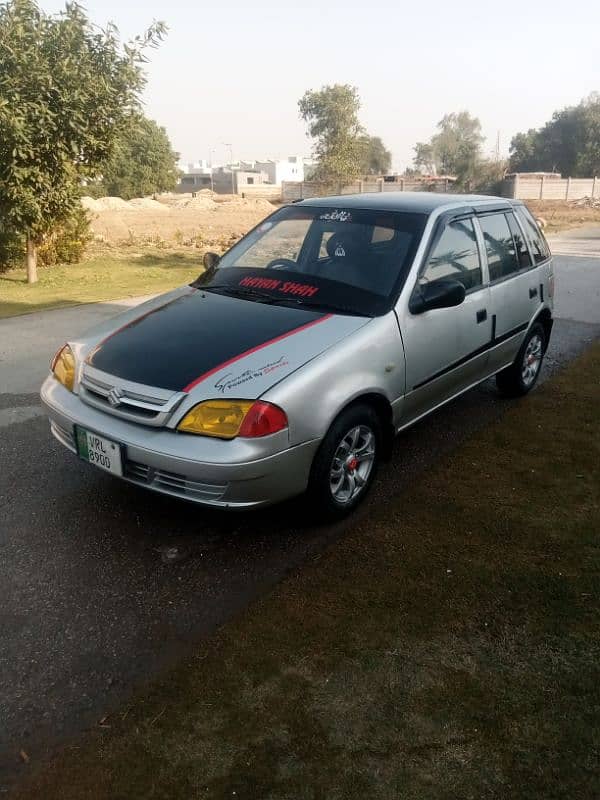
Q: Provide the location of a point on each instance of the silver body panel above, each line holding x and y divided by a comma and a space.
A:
413, 363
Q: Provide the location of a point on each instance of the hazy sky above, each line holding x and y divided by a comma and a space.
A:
233, 72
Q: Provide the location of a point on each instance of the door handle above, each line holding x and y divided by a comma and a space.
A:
482, 315
532, 293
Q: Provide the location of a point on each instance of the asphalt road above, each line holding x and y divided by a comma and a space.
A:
103, 584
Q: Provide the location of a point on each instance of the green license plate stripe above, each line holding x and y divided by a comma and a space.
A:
82, 444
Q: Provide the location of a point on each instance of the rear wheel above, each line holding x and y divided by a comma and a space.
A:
346, 462
523, 373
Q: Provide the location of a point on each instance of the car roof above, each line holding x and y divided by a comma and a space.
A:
414, 202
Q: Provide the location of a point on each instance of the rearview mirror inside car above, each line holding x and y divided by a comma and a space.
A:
443, 293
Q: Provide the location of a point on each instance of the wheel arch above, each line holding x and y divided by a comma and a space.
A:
544, 317
383, 408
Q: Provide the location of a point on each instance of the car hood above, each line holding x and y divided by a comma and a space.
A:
214, 345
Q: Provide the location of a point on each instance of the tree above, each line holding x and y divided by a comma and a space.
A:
568, 143
377, 160
67, 90
142, 162
524, 155
455, 149
332, 118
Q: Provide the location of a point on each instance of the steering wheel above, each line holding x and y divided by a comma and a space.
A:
282, 263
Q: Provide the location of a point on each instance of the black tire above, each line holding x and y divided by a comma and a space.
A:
515, 381
320, 491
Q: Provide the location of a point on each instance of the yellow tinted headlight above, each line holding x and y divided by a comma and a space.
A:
63, 367
222, 418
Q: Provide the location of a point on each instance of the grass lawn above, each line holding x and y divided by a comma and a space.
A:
447, 647
106, 277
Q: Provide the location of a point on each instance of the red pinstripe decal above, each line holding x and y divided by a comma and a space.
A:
210, 372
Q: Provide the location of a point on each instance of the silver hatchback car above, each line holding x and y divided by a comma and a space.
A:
292, 361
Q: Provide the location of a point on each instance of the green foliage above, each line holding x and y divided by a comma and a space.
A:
377, 160
569, 143
454, 150
331, 115
67, 90
488, 176
143, 162
65, 244
11, 249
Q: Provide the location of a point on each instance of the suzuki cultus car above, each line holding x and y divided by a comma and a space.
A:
292, 361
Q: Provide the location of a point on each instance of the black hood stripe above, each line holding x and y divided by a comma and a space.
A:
225, 364
89, 359
195, 334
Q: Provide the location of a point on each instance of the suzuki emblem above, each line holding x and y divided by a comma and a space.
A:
114, 397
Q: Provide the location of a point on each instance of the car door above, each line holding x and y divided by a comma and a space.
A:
514, 285
446, 349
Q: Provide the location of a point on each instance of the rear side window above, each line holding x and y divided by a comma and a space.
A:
538, 244
455, 256
499, 246
520, 243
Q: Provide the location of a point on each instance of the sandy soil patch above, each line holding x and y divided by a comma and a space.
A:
174, 219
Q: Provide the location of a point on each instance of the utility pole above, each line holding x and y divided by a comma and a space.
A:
210, 166
230, 146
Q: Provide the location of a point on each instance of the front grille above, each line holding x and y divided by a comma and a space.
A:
132, 401
173, 482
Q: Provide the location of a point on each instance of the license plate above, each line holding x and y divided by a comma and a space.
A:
99, 451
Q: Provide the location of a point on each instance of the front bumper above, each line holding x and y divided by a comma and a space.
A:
241, 473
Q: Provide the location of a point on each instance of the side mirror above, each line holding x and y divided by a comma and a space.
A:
211, 261
443, 293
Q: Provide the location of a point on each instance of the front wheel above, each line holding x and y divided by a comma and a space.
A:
522, 375
346, 462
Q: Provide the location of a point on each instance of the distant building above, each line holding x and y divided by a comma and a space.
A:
289, 169
234, 177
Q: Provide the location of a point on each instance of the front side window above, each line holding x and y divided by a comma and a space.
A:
455, 256
345, 259
499, 246
538, 245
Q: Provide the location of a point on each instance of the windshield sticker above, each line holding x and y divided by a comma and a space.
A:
285, 287
230, 381
337, 216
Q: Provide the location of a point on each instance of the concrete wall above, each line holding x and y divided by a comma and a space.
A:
264, 191
306, 189
550, 188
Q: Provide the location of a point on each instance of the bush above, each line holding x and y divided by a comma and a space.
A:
65, 245
12, 248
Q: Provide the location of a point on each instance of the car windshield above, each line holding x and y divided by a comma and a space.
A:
342, 259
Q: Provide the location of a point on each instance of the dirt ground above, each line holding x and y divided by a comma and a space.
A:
174, 220
560, 215
211, 221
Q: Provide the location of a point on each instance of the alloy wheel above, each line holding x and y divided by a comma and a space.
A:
352, 464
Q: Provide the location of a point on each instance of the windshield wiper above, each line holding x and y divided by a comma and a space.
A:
331, 307
265, 297
240, 291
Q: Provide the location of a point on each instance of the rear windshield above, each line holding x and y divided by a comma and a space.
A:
346, 260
